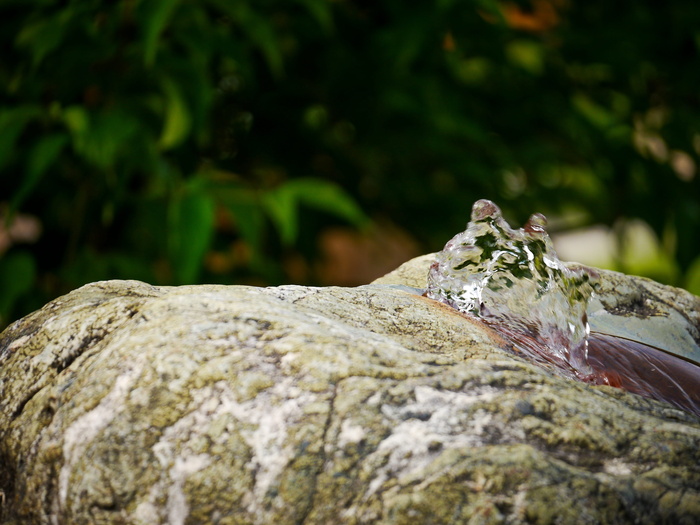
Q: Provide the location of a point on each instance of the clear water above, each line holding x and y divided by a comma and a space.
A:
513, 280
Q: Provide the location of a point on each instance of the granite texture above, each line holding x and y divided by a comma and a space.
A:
127, 403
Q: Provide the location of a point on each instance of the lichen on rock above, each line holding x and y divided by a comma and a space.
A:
127, 403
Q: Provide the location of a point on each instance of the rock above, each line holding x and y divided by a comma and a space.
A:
127, 403
623, 305
641, 309
413, 273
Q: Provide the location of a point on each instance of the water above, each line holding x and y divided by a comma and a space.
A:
644, 370
513, 281
512, 278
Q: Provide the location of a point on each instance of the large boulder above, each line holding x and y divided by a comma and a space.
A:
127, 403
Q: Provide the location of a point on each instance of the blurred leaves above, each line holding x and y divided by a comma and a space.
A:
177, 118
12, 124
282, 205
191, 228
44, 153
155, 18
148, 138
17, 275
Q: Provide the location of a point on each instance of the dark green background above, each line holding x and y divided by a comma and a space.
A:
145, 136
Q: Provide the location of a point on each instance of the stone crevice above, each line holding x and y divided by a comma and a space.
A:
325, 445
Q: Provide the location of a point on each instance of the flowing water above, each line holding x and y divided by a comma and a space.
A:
513, 281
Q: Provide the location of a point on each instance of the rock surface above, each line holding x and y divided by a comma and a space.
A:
623, 305
126, 403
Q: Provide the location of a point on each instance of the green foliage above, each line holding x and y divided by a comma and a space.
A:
190, 228
146, 136
17, 274
283, 202
119, 125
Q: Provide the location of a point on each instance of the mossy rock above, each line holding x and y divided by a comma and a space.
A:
127, 403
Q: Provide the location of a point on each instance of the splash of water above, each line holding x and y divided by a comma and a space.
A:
514, 281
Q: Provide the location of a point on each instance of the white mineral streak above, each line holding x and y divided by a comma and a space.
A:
617, 467
177, 506
147, 512
71, 343
423, 429
264, 425
518, 510
86, 428
350, 434
17, 343
266, 420
177, 459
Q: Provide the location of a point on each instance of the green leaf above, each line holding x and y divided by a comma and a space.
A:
100, 138
77, 119
264, 37
321, 11
17, 275
177, 116
527, 55
493, 8
596, 114
246, 207
191, 228
156, 17
282, 205
692, 277
41, 157
329, 197
258, 30
43, 36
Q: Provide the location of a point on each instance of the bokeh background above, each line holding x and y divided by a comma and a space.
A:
327, 141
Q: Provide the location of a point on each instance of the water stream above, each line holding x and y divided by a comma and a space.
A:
514, 282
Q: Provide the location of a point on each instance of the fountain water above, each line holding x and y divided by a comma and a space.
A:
514, 282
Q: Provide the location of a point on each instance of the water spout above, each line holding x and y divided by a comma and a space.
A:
512, 280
